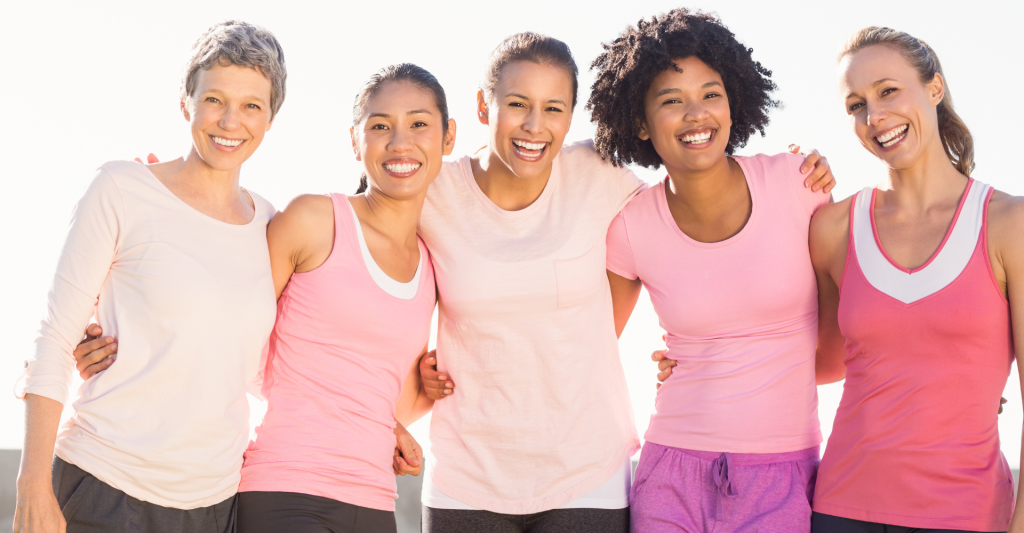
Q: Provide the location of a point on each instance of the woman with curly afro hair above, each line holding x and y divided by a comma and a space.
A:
721, 246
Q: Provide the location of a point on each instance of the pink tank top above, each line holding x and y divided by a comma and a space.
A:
338, 356
915, 441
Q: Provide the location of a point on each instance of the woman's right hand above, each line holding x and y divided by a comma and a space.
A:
435, 384
95, 353
37, 510
665, 365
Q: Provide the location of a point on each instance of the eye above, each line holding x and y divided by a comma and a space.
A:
212, 100
516, 104
711, 95
888, 91
419, 124
556, 109
854, 107
379, 127
671, 101
252, 106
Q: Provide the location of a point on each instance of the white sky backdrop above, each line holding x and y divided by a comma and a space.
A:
88, 82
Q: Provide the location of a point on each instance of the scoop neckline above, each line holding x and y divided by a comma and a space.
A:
255, 205
360, 243
466, 169
666, 214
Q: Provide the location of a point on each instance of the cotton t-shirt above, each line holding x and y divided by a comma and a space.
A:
191, 302
540, 415
740, 315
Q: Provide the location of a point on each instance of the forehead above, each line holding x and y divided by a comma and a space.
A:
694, 72
863, 68
399, 97
234, 79
531, 79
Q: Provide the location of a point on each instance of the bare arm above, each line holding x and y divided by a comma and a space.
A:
625, 293
300, 238
37, 509
414, 403
828, 241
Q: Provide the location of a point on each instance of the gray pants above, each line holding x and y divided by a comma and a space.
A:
91, 506
553, 521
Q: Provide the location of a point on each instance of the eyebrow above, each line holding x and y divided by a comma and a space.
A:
876, 84
675, 90
221, 93
385, 115
522, 97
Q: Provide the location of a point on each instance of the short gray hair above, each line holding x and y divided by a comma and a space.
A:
234, 42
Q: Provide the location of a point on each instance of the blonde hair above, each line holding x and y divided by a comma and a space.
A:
956, 138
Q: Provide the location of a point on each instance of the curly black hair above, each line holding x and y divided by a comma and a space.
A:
631, 62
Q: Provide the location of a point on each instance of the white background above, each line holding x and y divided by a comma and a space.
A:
87, 82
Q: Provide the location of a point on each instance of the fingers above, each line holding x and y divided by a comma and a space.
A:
1002, 402
794, 148
137, 160
151, 159
435, 384
95, 356
87, 346
664, 374
658, 355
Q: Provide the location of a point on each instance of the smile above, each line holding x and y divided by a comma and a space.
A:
230, 143
697, 138
892, 136
403, 168
529, 151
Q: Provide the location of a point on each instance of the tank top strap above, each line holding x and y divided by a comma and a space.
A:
945, 265
345, 243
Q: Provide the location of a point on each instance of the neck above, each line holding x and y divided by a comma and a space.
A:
218, 186
931, 180
396, 219
501, 186
705, 194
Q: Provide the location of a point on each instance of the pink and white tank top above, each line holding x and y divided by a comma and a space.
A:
338, 356
928, 350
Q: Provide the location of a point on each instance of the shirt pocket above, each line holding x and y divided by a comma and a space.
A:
579, 278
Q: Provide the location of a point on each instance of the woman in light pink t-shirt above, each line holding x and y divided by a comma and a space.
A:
525, 441
721, 246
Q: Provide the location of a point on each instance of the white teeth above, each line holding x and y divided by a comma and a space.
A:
402, 168
528, 145
226, 142
892, 136
697, 138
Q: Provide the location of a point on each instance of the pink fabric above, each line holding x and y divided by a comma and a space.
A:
541, 414
740, 316
915, 441
339, 353
687, 490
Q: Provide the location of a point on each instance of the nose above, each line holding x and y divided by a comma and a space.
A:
401, 141
229, 121
875, 115
534, 122
695, 111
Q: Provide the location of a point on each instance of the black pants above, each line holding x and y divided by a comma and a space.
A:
553, 521
291, 512
91, 506
823, 523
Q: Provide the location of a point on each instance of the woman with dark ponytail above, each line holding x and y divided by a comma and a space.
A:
927, 271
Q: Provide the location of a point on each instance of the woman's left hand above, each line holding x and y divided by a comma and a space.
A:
820, 177
408, 457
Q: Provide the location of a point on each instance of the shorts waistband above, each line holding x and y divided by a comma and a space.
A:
812, 453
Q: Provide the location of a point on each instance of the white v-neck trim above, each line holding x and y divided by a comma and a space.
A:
402, 291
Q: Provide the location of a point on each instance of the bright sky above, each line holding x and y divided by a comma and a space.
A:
89, 82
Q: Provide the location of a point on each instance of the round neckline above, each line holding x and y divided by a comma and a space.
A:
466, 168
666, 214
357, 226
942, 244
255, 206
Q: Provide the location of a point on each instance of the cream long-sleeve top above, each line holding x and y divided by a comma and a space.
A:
191, 302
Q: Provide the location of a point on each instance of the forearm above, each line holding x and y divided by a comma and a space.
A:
410, 411
42, 417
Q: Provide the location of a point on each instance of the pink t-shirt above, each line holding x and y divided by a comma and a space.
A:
740, 315
339, 353
541, 414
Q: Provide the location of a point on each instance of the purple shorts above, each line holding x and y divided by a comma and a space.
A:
677, 490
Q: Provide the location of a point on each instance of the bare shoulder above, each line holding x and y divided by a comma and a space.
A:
308, 218
832, 219
1006, 222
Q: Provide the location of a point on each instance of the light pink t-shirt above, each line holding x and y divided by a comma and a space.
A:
540, 415
740, 315
339, 353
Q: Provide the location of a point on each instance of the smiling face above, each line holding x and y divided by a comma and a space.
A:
401, 140
229, 113
686, 117
529, 113
892, 113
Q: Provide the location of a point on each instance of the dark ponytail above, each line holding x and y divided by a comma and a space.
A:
956, 138
413, 74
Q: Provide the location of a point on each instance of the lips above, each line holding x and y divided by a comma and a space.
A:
401, 168
697, 138
226, 143
531, 151
892, 136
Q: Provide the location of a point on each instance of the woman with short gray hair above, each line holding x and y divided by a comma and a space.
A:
173, 258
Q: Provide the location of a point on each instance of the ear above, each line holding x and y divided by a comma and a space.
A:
449, 138
641, 130
184, 111
937, 89
355, 144
481, 107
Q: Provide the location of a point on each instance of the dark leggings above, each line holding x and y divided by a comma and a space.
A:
277, 512
823, 523
553, 521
